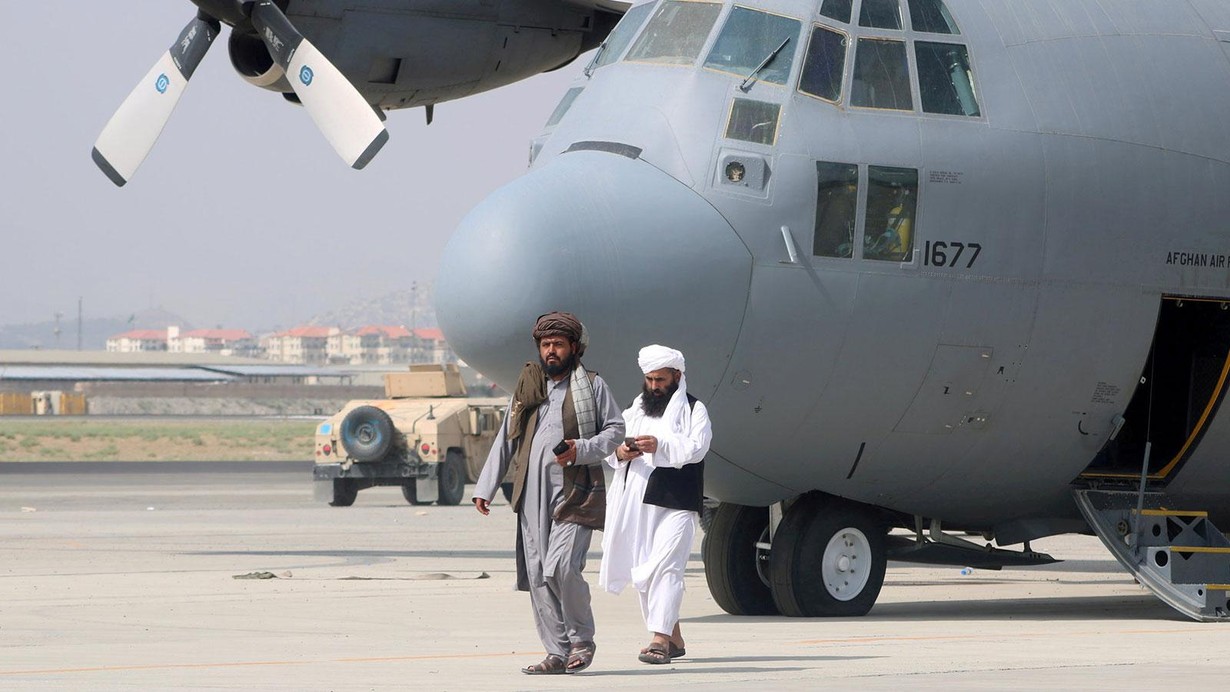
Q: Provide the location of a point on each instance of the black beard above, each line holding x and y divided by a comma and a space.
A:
565, 365
654, 405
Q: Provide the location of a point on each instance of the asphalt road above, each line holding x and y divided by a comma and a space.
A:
124, 576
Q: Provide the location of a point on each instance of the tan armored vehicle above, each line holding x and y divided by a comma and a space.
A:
426, 436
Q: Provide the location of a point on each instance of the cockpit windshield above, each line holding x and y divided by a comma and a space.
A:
932, 16
676, 33
751, 37
619, 39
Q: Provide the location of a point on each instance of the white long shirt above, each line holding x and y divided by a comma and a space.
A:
638, 537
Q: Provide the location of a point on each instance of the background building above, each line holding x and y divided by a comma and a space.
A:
226, 342
307, 345
138, 341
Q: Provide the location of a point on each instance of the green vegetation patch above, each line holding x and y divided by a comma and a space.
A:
153, 439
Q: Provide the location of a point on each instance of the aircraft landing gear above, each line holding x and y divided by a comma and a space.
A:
736, 567
828, 558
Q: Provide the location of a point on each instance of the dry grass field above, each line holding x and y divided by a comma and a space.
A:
154, 439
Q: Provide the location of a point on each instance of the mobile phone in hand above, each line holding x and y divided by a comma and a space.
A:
560, 448
630, 443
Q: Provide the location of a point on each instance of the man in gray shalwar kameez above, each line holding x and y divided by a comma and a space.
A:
559, 498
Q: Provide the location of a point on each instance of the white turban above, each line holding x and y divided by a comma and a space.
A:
656, 357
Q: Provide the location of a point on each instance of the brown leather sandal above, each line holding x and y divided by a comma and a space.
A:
551, 665
581, 656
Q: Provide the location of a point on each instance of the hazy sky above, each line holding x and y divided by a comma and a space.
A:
242, 215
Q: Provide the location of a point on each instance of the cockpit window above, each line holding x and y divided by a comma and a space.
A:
892, 197
749, 38
564, 104
931, 16
881, 76
753, 121
836, 206
676, 33
837, 9
622, 35
822, 69
880, 14
945, 82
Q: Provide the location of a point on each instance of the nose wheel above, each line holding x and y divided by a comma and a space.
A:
828, 558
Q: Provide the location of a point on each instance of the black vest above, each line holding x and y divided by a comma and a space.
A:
681, 488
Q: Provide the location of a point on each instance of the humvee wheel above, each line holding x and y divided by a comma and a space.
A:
344, 493
367, 433
452, 478
410, 492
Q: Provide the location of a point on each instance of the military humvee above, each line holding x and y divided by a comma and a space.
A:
426, 436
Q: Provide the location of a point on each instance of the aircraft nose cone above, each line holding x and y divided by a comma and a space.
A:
636, 255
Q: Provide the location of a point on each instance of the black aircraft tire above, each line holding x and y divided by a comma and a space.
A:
410, 492
828, 559
452, 478
730, 555
367, 433
344, 493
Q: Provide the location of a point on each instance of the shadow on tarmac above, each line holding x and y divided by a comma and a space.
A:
351, 554
669, 668
1142, 607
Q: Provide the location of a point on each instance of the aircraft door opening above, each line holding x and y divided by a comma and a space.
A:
1179, 391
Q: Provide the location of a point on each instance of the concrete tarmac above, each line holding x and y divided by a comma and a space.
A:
118, 577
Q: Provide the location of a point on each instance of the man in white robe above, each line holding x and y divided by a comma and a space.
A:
654, 498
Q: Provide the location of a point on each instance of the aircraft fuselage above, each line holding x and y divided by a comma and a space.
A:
970, 374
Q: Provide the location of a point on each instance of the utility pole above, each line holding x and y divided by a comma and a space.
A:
57, 329
414, 321
79, 300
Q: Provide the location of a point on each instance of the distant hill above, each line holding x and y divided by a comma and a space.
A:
406, 308
94, 330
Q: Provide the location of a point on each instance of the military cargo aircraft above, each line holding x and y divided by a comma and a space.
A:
949, 266
381, 55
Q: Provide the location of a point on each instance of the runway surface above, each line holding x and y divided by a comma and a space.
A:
123, 576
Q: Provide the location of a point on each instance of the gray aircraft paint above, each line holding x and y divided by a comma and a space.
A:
505, 40
1101, 147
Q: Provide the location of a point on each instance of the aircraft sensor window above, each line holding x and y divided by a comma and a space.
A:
753, 121
837, 9
892, 197
880, 14
836, 205
824, 64
945, 81
676, 33
621, 36
752, 38
564, 104
881, 75
932, 17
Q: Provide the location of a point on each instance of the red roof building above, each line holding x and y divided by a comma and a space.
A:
138, 341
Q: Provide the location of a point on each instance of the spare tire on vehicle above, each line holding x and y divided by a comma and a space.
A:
367, 433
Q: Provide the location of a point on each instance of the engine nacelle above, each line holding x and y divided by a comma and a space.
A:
252, 61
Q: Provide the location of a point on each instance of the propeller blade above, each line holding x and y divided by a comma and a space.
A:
339, 111
132, 131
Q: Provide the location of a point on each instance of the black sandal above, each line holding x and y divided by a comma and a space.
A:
677, 651
655, 654
581, 656
551, 665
